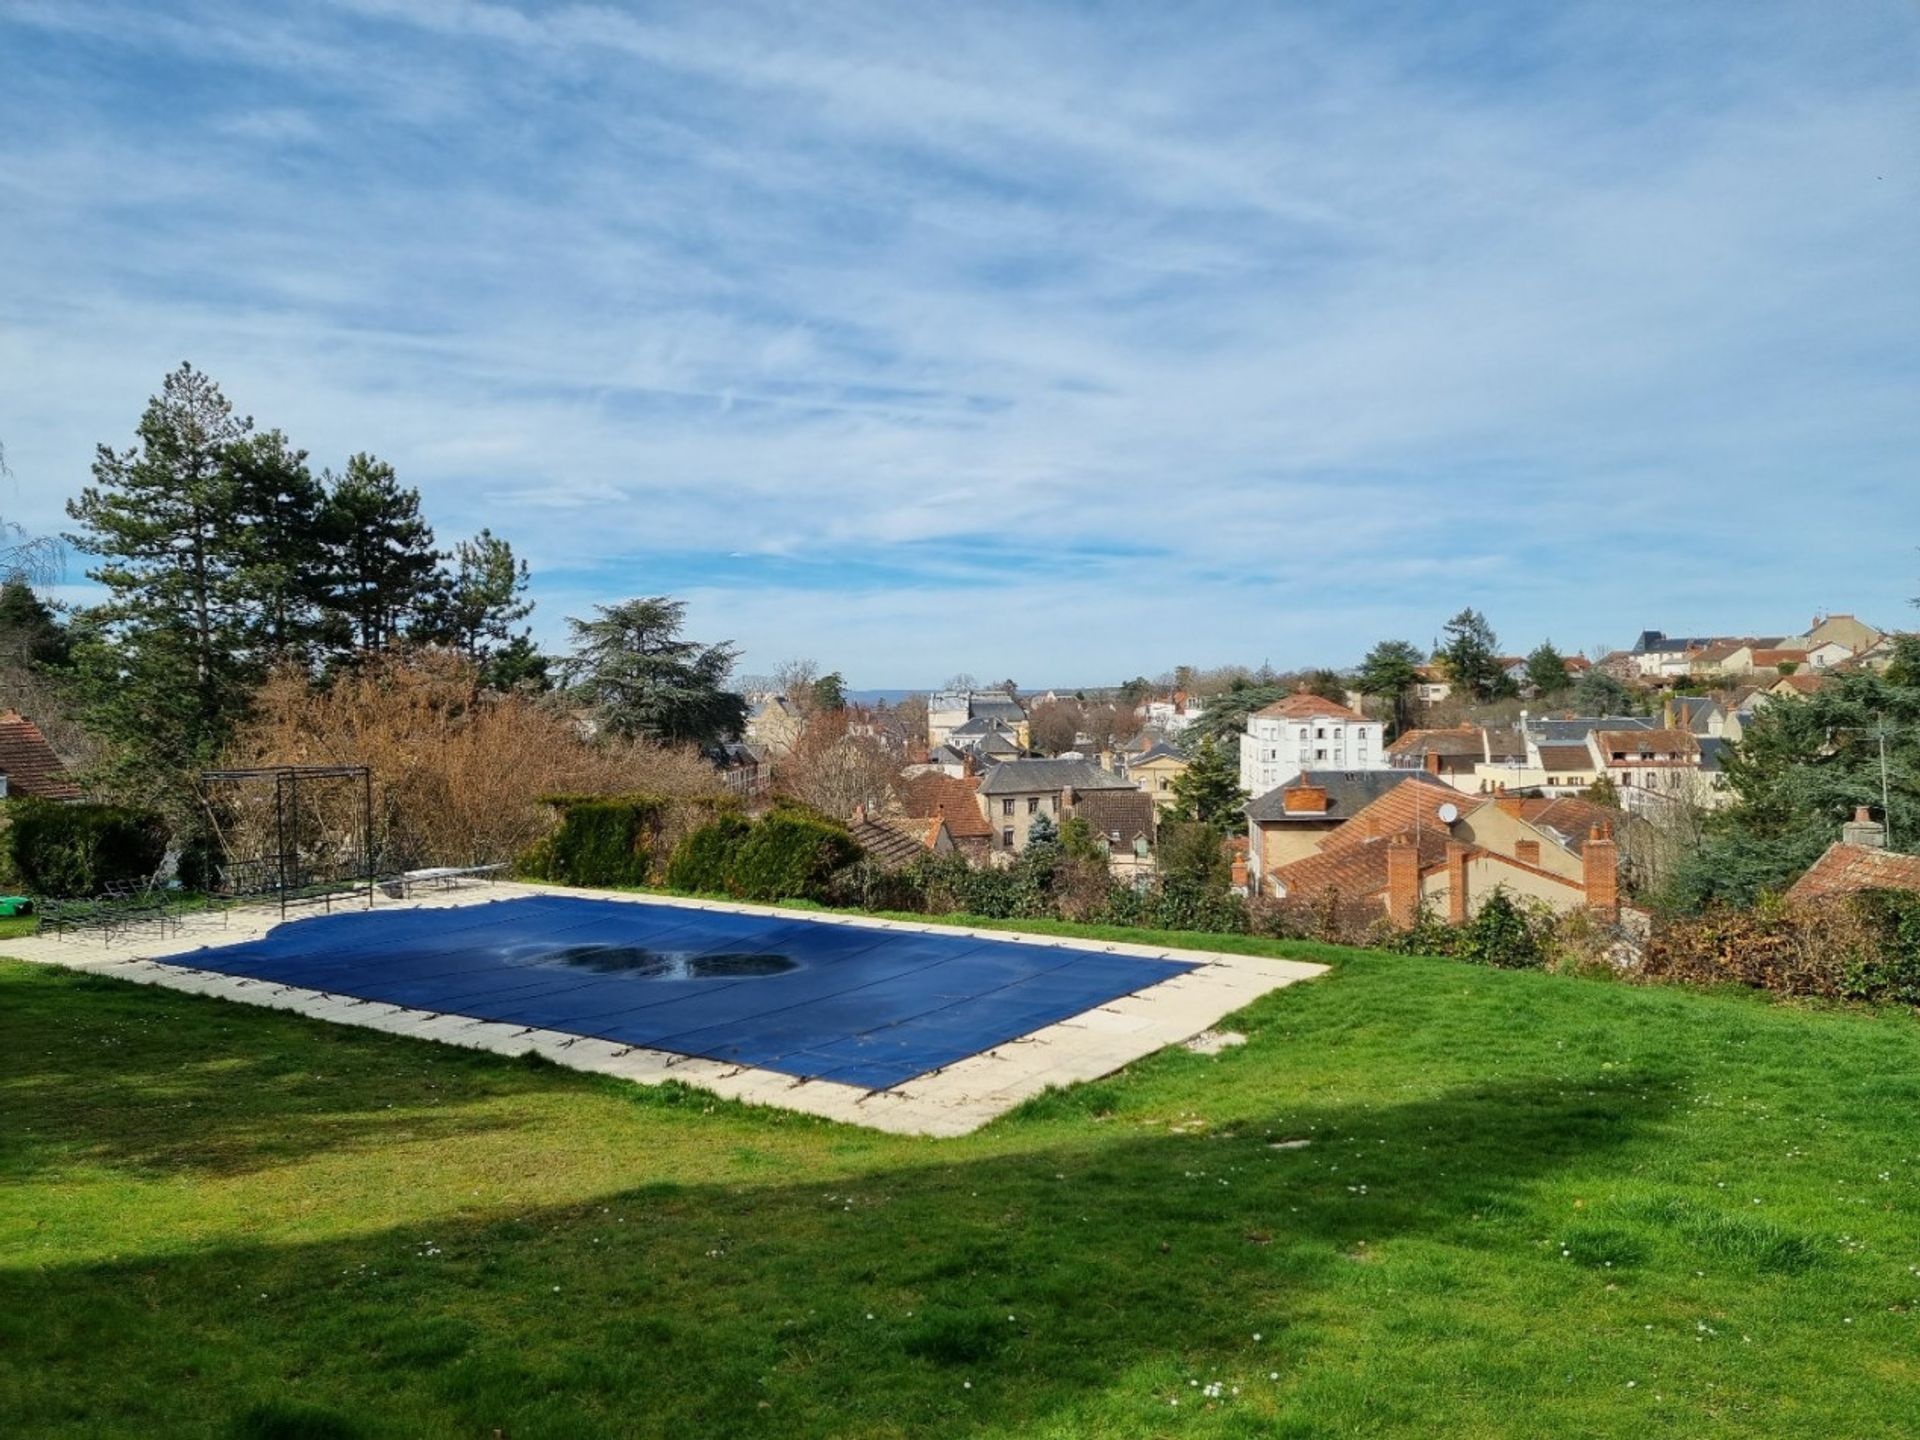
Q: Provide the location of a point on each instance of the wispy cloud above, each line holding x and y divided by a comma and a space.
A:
1049, 339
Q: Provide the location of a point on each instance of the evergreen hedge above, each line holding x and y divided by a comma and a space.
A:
703, 861
601, 840
788, 854
78, 851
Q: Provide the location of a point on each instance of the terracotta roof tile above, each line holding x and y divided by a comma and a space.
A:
950, 798
1308, 707
1847, 869
29, 763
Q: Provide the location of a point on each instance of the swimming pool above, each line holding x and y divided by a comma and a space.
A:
857, 1004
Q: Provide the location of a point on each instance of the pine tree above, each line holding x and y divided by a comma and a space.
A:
1472, 658
1389, 673
279, 558
30, 633
1208, 790
476, 607
382, 567
1547, 672
632, 666
163, 664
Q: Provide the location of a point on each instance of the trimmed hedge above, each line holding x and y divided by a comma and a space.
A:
601, 840
788, 854
78, 851
703, 861
791, 856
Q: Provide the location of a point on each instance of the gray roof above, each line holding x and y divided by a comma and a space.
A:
1347, 791
999, 707
1574, 731
983, 725
1022, 777
1713, 752
1160, 749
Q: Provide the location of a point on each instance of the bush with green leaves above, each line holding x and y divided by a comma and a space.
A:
703, 862
601, 840
1502, 933
790, 855
69, 851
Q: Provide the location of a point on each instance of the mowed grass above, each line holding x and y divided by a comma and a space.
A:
1529, 1206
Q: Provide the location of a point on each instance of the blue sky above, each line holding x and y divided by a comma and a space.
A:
1062, 342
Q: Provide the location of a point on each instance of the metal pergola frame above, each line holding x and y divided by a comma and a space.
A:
286, 821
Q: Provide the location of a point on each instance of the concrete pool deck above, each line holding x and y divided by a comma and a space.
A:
950, 1101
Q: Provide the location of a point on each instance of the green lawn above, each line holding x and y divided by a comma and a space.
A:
1531, 1206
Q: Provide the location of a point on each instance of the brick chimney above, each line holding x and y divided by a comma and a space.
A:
1403, 881
1863, 830
860, 813
1601, 859
1457, 852
1433, 762
1239, 872
1304, 799
1510, 804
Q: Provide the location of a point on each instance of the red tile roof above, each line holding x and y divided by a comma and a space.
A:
1308, 707
1410, 805
951, 799
29, 763
1648, 747
1847, 869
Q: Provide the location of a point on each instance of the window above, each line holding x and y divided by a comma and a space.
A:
1320, 754
1053, 803
1006, 808
1006, 839
1033, 803
1320, 733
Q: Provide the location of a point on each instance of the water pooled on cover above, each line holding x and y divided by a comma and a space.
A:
649, 964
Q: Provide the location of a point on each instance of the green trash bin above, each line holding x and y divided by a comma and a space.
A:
16, 905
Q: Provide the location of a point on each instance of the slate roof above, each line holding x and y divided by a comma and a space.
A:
1574, 729
1713, 752
1308, 707
1348, 792
1118, 817
1847, 869
983, 725
997, 707
950, 798
29, 763
1024, 777
1159, 750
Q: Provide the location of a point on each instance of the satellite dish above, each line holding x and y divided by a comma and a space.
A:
1448, 813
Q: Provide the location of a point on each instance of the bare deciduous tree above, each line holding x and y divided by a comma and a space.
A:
458, 772
834, 771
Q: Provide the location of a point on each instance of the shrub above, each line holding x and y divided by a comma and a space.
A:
1502, 933
81, 850
1851, 947
606, 841
790, 854
703, 861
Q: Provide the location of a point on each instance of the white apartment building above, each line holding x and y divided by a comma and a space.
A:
1304, 732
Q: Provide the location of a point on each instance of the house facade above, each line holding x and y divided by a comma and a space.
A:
1305, 732
1154, 770
1016, 794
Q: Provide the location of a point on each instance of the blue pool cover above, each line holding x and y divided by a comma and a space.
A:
858, 1004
